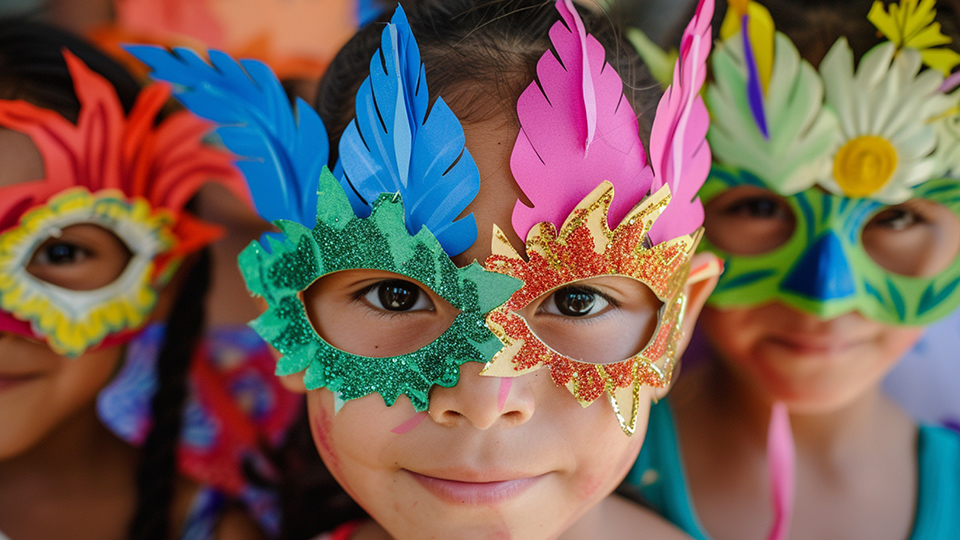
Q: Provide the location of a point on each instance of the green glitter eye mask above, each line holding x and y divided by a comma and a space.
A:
393, 203
280, 271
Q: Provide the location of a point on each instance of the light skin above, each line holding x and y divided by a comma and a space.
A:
54, 452
856, 451
491, 458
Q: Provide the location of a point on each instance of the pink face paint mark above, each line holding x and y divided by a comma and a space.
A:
505, 384
410, 424
320, 428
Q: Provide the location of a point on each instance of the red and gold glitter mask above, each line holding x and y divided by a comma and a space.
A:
586, 248
601, 305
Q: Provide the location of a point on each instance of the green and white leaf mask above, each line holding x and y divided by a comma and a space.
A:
823, 267
840, 148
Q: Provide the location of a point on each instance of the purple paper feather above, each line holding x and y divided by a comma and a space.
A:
754, 88
577, 89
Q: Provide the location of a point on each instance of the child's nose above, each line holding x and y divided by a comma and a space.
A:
483, 402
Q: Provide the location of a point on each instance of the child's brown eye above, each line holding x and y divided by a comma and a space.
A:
759, 208
398, 295
747, 220
59, 254
375, 313
575, 302
897, 219
599, 320
81, 257
918, 238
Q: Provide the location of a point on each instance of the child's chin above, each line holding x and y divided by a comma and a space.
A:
810, 396
517, 517
493, 526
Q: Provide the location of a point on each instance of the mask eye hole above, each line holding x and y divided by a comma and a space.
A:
84, 257
376, 314
602, 320
749, 220
919, 238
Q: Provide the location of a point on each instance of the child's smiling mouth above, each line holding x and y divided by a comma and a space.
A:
453, 488
13, 380
819, 345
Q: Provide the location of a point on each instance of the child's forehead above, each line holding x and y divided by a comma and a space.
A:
491, 142
20, 160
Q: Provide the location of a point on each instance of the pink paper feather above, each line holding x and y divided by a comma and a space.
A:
589, 95
679, 151
577, 102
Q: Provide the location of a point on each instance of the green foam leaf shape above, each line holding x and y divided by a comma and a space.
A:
280, 271
803, 133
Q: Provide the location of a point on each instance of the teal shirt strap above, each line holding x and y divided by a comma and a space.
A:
659, 475
938, 493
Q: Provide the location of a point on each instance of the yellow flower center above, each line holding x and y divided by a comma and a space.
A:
864, 165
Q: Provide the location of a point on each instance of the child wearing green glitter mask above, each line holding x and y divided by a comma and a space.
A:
422, 367
833, 201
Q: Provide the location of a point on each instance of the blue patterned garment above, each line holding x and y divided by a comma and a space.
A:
235, 406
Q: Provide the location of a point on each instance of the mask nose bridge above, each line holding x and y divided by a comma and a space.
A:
823, 273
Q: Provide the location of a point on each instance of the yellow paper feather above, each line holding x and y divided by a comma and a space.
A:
911, 23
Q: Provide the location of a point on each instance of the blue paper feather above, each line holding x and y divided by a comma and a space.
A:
368, 11
281, 149
399, 144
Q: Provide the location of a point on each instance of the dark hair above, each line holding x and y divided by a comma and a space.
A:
32, 68
815, 25
158, 460
480, 55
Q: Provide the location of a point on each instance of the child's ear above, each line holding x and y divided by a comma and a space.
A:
294, 383
705, 270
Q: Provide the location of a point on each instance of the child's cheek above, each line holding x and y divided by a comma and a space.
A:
608, 468
320, 428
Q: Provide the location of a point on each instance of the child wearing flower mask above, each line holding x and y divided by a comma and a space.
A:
96, 245
480, 313
834, 203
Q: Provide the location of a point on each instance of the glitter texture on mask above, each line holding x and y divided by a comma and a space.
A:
584, 248
73, 320
340, 241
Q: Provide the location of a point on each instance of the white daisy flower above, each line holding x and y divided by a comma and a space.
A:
886, 112
947, 127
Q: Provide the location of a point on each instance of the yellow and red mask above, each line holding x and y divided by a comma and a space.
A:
125, 173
